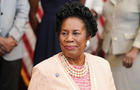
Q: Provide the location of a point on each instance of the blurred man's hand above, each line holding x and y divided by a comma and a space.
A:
6, 45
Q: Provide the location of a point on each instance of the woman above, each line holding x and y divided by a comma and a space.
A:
121, 42
72, 69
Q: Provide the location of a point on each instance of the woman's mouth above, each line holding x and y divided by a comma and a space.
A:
70, 47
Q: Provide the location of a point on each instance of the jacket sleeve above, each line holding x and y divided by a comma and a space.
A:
38, 80
21, 19
137, 39
96, 5
111, 83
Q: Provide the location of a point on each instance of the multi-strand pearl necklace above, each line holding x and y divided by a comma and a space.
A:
74, 71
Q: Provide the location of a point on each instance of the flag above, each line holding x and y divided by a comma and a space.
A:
29, 41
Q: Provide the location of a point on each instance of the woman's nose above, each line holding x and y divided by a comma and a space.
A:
69, 38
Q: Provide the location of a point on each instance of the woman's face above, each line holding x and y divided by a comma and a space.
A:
73, 37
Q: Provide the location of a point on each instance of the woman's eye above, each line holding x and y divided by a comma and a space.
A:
64, 33
76, 33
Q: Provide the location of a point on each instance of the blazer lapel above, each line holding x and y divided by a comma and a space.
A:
67, 76
93, 74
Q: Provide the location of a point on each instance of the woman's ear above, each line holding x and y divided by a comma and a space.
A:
89, 37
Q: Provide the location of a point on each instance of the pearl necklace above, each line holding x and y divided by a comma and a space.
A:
74, 71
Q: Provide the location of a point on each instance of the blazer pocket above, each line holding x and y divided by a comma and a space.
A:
129, 35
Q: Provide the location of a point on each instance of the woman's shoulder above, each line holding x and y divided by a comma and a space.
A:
47, 63
98, 62
95, 59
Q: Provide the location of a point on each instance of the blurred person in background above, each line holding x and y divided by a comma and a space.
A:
73, 69
32, 15
95, 6
121, 42
13, 19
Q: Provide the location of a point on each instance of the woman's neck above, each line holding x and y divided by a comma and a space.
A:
79, 61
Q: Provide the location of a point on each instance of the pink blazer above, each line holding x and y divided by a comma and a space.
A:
50, 75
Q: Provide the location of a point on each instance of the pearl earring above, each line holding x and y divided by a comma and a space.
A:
87, 44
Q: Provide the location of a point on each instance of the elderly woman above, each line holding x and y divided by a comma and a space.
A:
72, 69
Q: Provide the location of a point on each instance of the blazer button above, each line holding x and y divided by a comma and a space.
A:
115, 38
1, 13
